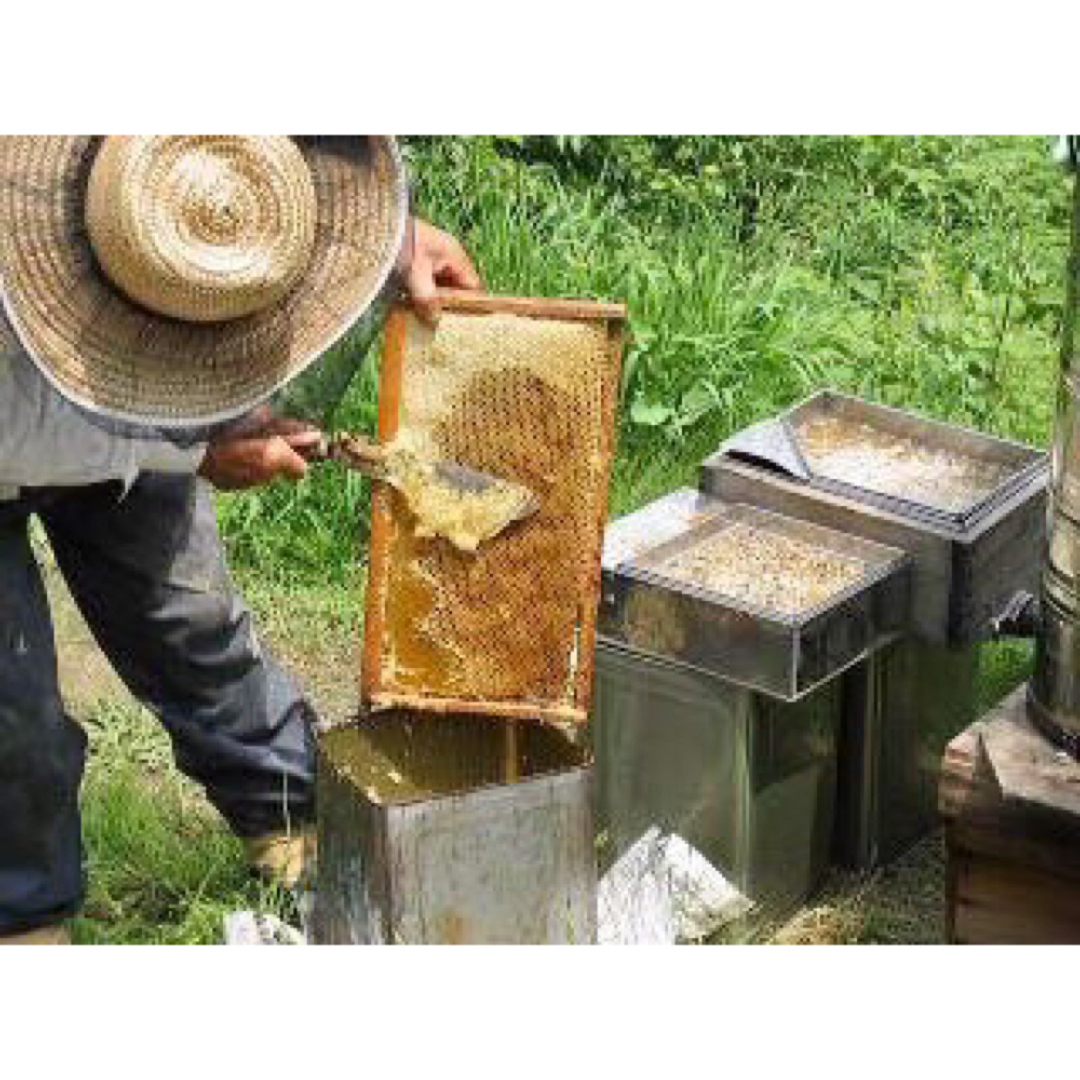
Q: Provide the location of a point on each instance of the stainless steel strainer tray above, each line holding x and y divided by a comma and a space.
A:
965, 474
781, 653
664, 519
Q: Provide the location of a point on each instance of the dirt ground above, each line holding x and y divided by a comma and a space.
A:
899, 904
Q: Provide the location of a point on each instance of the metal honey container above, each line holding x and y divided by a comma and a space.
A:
717, 716
969, 509
422, 840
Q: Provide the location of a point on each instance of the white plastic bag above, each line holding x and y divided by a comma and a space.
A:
249, 928
662, 891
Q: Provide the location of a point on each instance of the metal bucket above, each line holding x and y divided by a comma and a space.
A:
1054, 690
421, 841
716, 717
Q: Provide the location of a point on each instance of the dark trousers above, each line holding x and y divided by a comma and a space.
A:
147, 571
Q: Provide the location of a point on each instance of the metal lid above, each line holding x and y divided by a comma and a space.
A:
727, 590
925, 470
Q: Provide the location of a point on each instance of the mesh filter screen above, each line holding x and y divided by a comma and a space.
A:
524, 390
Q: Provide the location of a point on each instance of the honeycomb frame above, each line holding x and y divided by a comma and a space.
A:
524, 388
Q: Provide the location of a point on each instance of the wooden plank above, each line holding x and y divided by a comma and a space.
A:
1023, 845
1012, 833
587, 613
381, 515
958, 770
497, 710
1029, 769
512, 758
999, 902
390, 375
1011, 790
533, 307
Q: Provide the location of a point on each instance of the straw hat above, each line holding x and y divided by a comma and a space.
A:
180, 280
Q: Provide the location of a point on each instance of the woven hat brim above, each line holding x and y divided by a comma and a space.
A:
116, 358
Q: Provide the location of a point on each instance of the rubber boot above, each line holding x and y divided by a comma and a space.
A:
284, 859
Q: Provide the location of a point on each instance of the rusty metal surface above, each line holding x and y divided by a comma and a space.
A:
483, 862
507, 864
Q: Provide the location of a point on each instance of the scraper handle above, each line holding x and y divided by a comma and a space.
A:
353, 451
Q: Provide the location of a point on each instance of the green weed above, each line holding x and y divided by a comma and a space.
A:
923, 272
162, 866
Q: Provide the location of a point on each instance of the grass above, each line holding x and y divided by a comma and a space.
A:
922, 272
162, 868
899, 904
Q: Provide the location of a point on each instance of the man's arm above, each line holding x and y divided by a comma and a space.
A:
243, 461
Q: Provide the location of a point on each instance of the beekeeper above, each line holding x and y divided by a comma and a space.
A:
158, 292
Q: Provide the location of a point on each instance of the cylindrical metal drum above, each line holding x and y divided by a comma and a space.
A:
1054, 691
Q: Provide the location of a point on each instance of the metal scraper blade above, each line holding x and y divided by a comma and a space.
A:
472, 481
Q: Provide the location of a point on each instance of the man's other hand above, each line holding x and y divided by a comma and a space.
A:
438, 259
247, 458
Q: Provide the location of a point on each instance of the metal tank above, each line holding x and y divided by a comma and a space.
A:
970, 511
716, 713
423, 839
1054, 689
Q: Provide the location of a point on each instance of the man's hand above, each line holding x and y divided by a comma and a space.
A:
260, 451
438, 259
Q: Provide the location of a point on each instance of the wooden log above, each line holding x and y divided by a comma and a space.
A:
381, 513
999, 902
507, 710
511, 767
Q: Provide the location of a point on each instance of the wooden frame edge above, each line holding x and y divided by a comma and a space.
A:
459, 300
381, 518
587, 643
494, 710
466, 302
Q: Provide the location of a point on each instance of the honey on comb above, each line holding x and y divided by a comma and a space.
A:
520, 398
